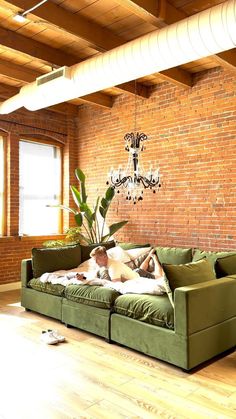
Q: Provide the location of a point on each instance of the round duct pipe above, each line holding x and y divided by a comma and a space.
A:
198, 36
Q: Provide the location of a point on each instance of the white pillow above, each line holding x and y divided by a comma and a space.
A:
135, 253
117, 253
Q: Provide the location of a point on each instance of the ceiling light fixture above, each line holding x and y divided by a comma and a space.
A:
134, 178
21, 16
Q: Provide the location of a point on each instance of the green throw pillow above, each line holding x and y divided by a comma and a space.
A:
211, 256
188, 274
174, 255
54, 259
226, 266
86, 250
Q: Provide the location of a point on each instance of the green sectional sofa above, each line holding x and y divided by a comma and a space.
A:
201, 325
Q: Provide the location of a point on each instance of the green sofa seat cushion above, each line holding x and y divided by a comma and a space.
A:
152, 309
86, 250
174, 255
211, 256
46, 287
226, 265
189, 273
91, 295
54, 259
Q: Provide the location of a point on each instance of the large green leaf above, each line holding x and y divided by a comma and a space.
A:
116, 226
63, 207
80, 175
79, 219
81, 178
109, 193
76, 196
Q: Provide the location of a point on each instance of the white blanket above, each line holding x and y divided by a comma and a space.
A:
139, 285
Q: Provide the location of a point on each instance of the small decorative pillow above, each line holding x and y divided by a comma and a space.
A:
226, 266
136, 252
188, 274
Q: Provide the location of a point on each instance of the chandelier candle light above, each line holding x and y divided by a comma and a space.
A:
134, 178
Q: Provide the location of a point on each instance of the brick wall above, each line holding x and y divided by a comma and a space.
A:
44, 125
193, 137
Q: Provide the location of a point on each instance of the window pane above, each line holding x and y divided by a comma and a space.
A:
1, 185
40, 185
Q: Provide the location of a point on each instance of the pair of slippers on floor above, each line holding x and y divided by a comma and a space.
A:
51, 337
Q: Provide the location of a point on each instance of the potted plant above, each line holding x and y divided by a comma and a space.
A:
91, 222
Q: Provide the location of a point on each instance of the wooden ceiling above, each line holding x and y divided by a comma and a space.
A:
65, 32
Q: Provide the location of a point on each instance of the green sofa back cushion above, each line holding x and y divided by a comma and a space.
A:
188, 274
226, 266
211, 256
128, 246
85, 250
174, 255
54, 259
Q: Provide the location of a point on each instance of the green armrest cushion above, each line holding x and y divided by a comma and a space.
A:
86, 250
201, 306
226, 266
174, 255
54, 259
26, 271
189, 273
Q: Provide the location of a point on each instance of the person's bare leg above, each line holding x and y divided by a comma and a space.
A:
158, 270
145, 263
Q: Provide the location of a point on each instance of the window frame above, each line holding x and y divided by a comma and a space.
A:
60, 146
3, 135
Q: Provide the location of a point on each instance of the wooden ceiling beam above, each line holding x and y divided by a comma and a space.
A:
151, 11
35, 49
177, 76
227, 59
101, 39
139, 89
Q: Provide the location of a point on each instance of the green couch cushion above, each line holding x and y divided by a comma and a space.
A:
153, 309
46, 287
211, 256
188, 274
54, 259
174, 255
226, 266
128, 246
91, 295
86, 250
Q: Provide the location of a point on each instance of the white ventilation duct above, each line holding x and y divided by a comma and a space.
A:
201, 35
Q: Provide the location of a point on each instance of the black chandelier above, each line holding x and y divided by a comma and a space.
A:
133, 177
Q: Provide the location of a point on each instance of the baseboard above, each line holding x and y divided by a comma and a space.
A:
11, 286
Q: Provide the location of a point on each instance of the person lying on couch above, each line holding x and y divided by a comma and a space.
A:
117, 271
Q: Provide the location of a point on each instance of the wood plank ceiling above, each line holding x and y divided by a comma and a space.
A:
65, 32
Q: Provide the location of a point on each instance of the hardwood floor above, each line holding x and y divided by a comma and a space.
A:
86, 377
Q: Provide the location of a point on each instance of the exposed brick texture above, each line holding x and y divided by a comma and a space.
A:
192, 135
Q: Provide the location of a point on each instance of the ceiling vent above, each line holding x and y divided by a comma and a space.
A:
61, 73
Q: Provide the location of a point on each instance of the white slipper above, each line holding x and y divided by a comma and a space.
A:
48, 338
56, 335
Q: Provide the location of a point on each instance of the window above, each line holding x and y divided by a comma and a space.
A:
40, 185
2, 185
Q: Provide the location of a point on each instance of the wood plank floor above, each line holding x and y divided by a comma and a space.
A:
86, 377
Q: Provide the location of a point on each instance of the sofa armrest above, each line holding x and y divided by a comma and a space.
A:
200, 306
26, 271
